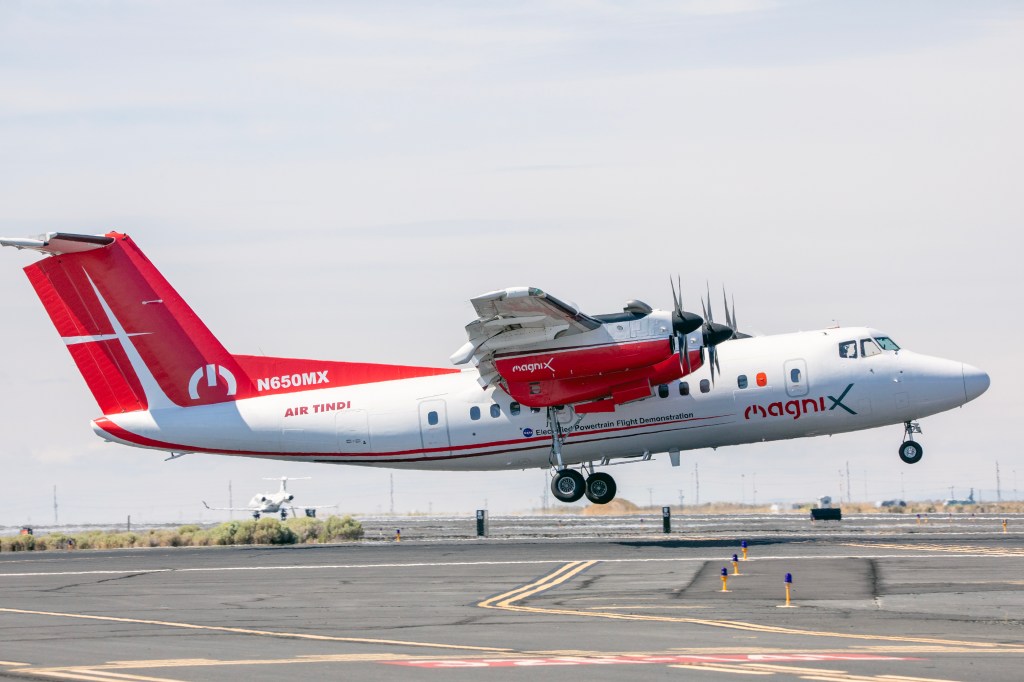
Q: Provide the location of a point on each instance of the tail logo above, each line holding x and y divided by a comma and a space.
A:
211, 372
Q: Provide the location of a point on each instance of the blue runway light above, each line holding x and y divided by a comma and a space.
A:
789, 577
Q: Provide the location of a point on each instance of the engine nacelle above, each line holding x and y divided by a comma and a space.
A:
583, 362
606, 390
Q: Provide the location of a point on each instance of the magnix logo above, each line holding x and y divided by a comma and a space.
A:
211, 372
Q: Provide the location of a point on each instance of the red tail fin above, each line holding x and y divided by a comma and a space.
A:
141, 347
135, 340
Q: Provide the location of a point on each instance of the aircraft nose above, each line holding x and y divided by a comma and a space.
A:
976, 382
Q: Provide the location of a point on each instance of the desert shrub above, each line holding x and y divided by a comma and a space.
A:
113, 541
18, 543
341, 528
269, 531
306, 529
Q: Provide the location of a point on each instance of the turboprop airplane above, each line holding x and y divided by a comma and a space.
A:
274, 503
550, 387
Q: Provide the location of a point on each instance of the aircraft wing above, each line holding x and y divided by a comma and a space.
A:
517, 319
239, 509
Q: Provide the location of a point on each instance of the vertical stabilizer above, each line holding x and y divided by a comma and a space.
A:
136, 342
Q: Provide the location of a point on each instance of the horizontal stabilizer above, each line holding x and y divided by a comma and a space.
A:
58, 243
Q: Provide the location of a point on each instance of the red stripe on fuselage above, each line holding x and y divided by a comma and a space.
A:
123, 434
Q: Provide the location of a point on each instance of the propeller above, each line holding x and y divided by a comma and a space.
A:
730, 318
682, 324
714, 334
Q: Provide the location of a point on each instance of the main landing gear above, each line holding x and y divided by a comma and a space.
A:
910, 450
568, 485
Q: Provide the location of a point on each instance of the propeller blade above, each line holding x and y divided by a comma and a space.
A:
712, 361
728, 315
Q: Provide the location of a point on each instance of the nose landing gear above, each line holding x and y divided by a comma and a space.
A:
910, 450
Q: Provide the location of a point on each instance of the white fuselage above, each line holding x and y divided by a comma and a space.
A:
796, 385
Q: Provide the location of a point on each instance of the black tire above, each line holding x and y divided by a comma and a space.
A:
568, 485
600, 488
911, 452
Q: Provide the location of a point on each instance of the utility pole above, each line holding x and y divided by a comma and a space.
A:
231, 502
998, 487
743, 488
753, 485
903, 490
696, 479
392, 478
55, 506
544, 492
841, 486
680, 498
650, 497
849, 493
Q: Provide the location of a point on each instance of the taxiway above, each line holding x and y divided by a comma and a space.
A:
939, 601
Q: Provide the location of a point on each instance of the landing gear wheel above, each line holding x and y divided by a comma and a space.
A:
911, 452
568, 485
600, 488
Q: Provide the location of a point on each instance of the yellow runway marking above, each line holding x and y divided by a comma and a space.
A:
508, 602
720, 668
89, 675
793, 669
262, 633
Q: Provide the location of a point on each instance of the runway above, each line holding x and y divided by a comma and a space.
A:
897, 604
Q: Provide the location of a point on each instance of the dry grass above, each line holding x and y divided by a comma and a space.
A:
266, 531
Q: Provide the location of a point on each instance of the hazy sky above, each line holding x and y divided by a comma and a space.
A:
336, 180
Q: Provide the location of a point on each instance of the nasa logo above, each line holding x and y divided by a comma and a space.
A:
527, 432
211, 380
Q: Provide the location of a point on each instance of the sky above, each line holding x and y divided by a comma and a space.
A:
337, 180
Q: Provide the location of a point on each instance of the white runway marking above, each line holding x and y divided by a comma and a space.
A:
444, 564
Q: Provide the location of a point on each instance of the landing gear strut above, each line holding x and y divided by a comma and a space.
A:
910, 450
568, 485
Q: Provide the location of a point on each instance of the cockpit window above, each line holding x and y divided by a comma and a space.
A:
848, 349
868, 348
886, 343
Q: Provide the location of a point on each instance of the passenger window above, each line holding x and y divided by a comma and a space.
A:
684, 388
741, 381
474, 413
535, 410
848, 349
794, 375
495, 411
662, 391
869, 348
514, 409
705, 386
432, 418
